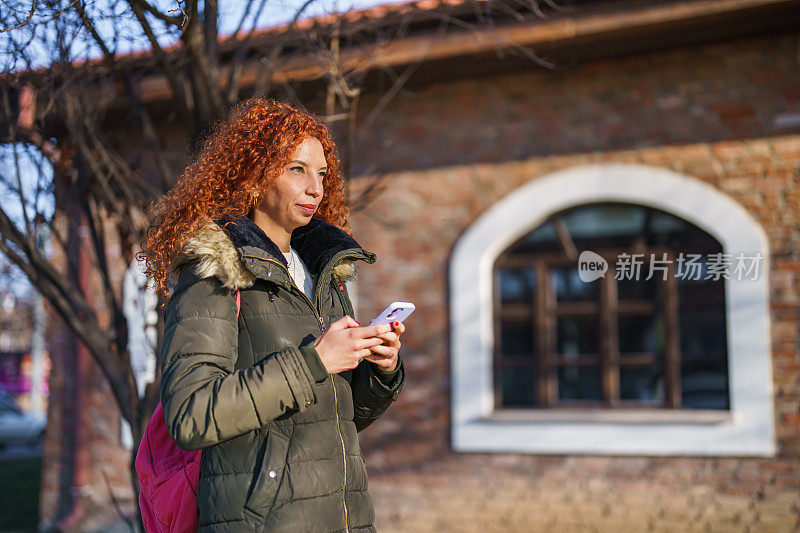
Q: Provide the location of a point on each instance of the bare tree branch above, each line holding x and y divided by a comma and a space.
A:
44, 270
67, 300
262, 84
98, 235
173, 20
236, 64
24, 22
178, 92
81, 9
20, 191
206, 84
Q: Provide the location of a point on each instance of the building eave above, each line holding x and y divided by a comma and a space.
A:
616, 30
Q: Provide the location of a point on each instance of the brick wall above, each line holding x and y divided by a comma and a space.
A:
420, 485
716, 92
707, 113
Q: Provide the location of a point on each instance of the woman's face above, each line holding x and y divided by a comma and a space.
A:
292, 199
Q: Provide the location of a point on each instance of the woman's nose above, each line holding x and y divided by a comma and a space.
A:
314, 187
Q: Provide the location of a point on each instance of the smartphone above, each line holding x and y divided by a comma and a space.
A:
395, 311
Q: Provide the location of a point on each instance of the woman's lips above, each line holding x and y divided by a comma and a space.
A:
308, 209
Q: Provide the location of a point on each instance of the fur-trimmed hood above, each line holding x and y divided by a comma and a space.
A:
221, 247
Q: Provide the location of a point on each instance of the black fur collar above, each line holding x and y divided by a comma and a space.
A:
316, 242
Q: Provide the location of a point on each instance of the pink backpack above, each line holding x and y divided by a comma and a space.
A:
168, 477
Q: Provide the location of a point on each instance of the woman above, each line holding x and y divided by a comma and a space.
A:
262, 365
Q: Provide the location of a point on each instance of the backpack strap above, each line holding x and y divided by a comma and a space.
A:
238, 302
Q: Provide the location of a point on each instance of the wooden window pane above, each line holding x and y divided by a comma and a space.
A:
579, 383
542, 239
577, 335
702, 333
642, 333
704, 349
516, 285
516, 339
568, 286
702, 319
705, 386
641, 289
642, 384
604, 224
518, 386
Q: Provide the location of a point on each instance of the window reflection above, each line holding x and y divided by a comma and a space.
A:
568, 286
641, 334
579, 383
642, 384
518, 386
516, 284
577, 335
516, 339
641, 289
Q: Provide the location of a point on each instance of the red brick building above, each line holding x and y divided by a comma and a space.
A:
536, 401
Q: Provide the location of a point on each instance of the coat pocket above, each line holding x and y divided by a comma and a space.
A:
268, 473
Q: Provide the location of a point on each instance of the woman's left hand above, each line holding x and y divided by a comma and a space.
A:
385, 355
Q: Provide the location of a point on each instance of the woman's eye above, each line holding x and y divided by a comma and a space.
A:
297, 168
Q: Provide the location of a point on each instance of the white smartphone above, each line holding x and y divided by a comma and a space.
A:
395, 311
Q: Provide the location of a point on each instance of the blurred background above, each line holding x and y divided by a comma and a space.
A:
486, 145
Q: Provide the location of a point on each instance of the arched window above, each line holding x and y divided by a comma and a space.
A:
545, 362
650, 332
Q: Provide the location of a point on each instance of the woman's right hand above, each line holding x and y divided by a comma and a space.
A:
345, 343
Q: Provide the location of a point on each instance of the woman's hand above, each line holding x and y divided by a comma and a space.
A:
385, 354
345, 343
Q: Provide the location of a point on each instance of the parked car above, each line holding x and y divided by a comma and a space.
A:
16, 426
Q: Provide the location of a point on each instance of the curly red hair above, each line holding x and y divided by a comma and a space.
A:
241, 157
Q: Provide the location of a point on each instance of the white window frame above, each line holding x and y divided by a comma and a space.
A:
747, 429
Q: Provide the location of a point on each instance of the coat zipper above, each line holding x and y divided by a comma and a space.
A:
335, 396
344, 458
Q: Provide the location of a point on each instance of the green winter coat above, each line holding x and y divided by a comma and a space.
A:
279, 434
